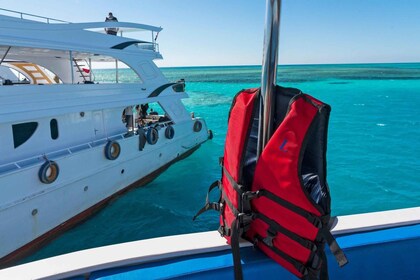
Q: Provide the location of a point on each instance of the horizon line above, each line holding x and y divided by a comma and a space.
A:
294, 64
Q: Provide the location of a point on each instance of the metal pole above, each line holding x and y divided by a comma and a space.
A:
269, 72
5, 54
90, 69
71, 66
116, 70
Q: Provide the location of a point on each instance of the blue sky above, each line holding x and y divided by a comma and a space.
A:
230, 32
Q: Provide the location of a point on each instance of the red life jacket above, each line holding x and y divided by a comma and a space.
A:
281, 202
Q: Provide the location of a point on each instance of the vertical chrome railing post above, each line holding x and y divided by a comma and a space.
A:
269, 72
116, 71
71, 66
90, 69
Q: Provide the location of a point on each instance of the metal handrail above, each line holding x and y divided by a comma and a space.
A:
269, 72
36, 159
34, 16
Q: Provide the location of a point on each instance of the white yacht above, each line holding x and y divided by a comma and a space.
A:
66, 146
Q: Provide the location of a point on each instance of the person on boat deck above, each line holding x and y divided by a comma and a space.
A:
138, 110
144, 108
111, 31
128, 114
139, 116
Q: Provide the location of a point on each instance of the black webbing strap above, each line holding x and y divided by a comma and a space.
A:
316, 221
209, 205
273, 225
296, 264
334, 247
237, 187
234, 210
323, 275
236, 253
243, 219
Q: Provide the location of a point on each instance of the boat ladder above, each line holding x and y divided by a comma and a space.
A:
83, 69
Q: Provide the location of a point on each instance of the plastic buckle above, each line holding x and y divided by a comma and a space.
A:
271, 234
269, 240
222, 207
250, 195
221, 230
245, 218
242, 188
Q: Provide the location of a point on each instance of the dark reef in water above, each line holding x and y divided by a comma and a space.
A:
339, 83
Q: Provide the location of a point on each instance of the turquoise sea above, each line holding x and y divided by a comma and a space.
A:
373, 150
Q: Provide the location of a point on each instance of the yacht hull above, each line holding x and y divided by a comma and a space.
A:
86, 182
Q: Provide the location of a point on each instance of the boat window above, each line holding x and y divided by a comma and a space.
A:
26, 72
55, 67
127, 75
147, 114
155, 109
54, 129
151, 113
11, 76
21, 78
110, 72
22, 132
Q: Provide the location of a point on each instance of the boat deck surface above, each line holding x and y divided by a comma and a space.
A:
381, 245
388, 249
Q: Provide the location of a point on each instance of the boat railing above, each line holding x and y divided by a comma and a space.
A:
149, 46
30, 16
5, 168
145, 35
123, 27
8, 167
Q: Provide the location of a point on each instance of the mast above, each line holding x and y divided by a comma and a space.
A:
269, 72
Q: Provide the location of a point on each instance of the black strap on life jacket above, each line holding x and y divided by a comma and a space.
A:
209, 205
334, 247
324, 223
234, 243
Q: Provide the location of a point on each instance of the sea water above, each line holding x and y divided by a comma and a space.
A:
373, 149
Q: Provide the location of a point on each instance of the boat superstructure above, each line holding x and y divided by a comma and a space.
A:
68, 142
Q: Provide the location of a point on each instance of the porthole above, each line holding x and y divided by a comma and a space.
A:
54, 129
